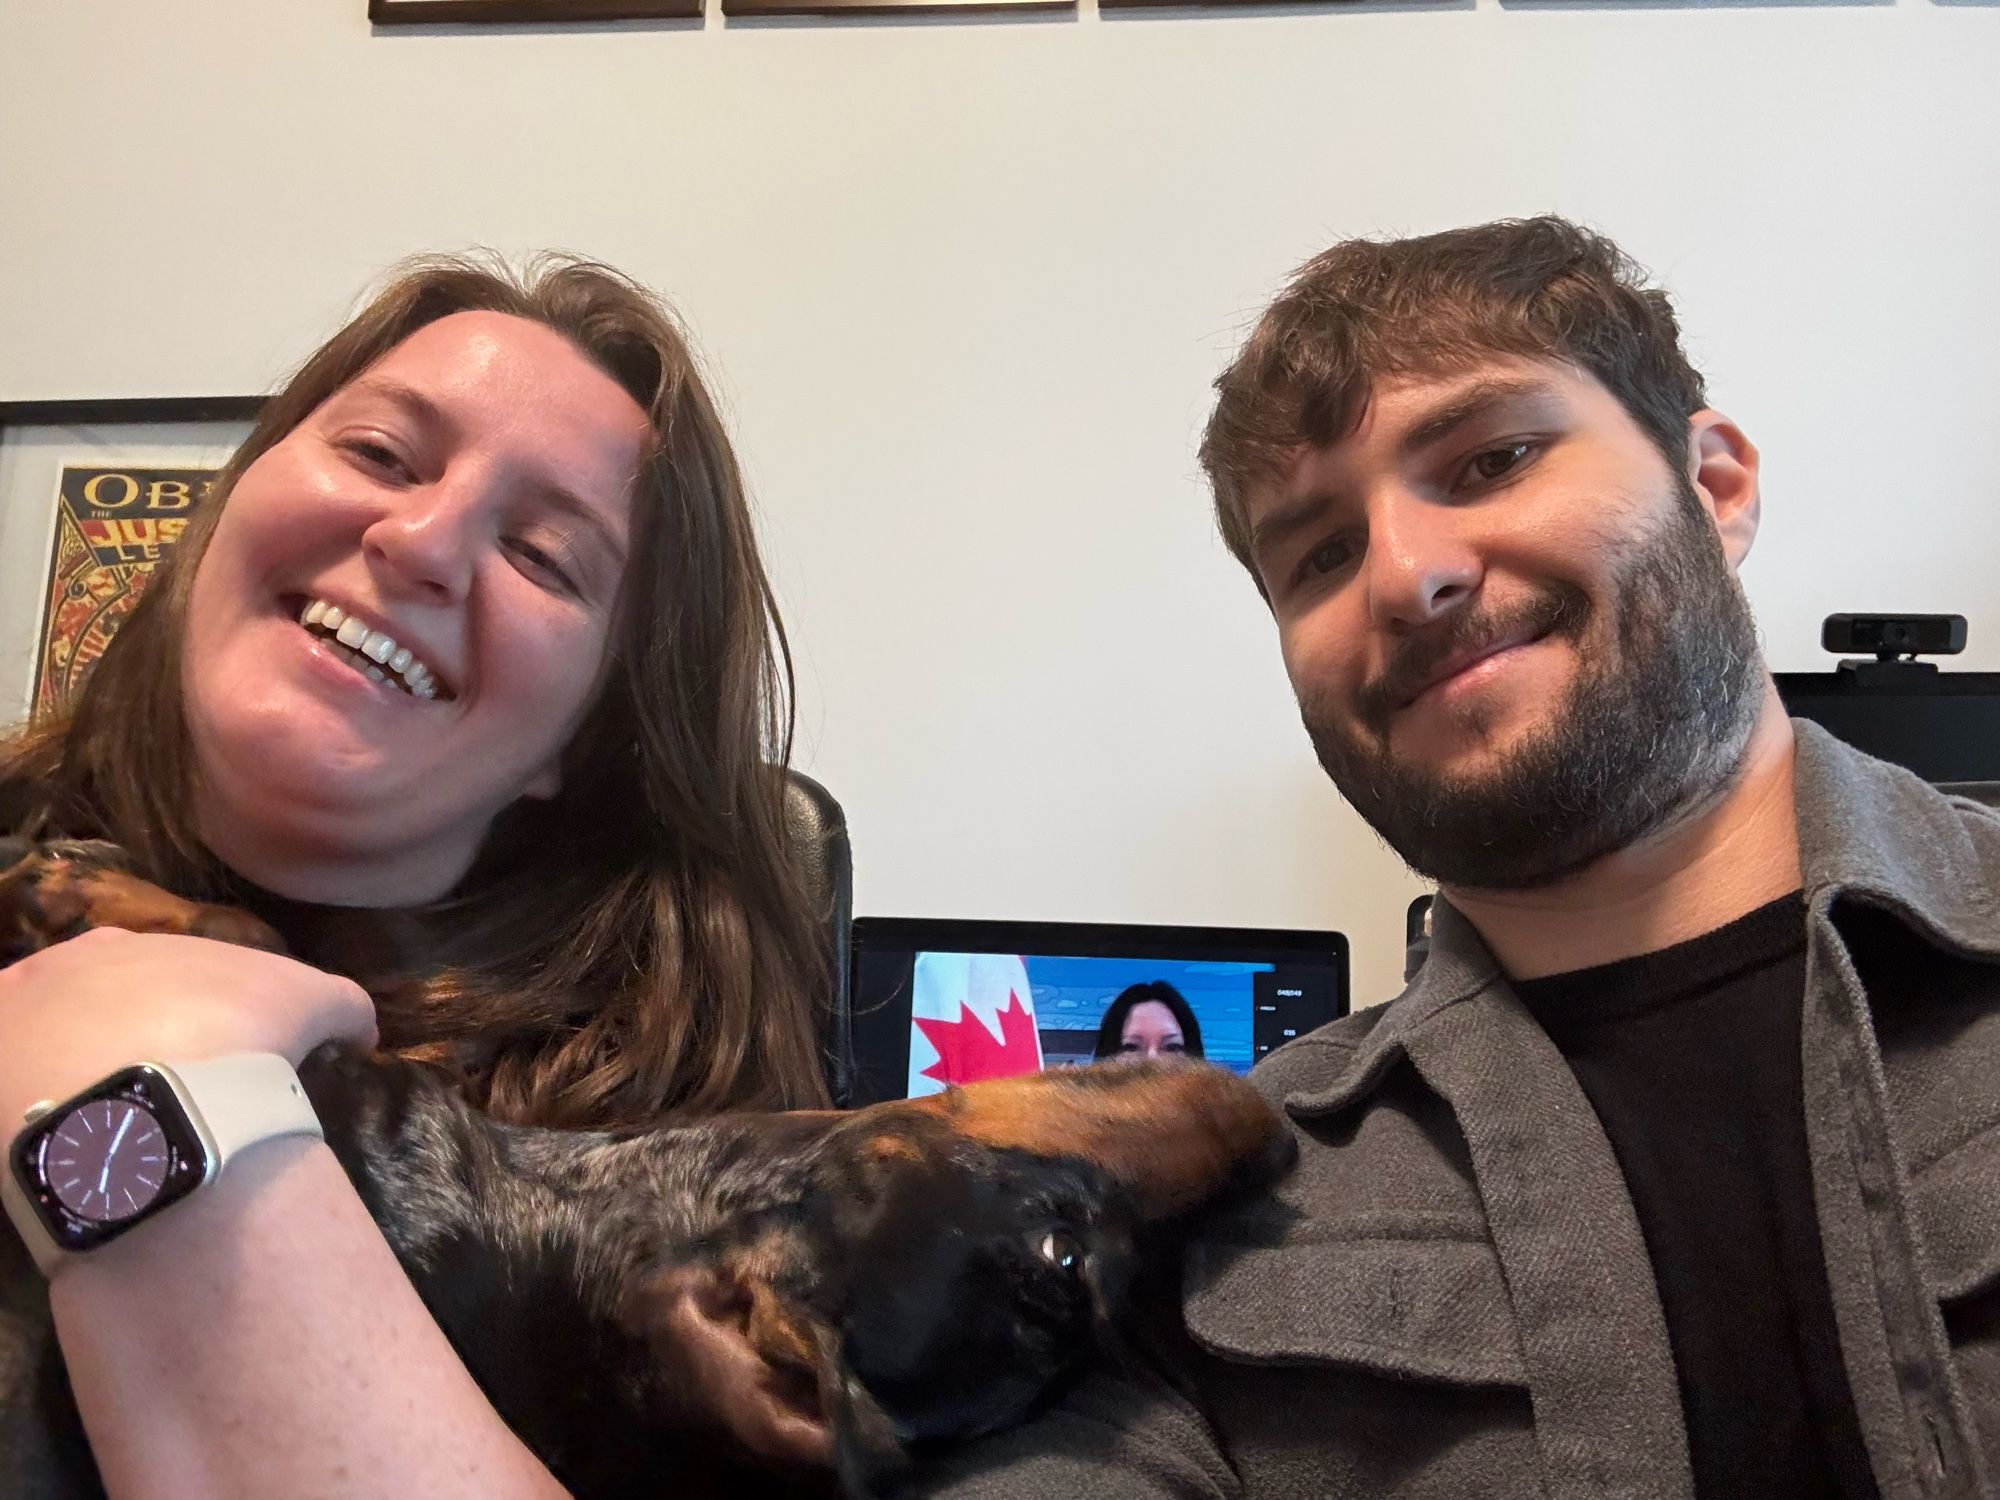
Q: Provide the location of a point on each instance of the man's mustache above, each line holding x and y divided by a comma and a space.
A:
1557, 610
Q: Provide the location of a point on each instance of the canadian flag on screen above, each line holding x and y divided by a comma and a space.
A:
972, 1016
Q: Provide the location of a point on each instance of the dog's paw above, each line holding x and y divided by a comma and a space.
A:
52, 890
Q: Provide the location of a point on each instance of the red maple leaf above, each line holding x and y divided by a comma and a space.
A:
968, 1053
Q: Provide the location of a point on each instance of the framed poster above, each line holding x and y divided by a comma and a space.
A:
92, 495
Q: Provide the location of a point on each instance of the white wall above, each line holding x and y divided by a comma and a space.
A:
964, 285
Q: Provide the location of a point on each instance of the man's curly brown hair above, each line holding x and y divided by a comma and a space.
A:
1541, 287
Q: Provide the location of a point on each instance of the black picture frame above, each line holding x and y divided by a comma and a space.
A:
526, 12
39, 439
113, 411
748, 9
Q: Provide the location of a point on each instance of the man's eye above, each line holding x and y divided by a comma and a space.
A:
1327, 557
1497, 463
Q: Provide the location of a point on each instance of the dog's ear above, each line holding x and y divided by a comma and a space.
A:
738, 1354
870, 1460
1174, 1134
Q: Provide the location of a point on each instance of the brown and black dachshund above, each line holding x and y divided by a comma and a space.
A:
884, 1283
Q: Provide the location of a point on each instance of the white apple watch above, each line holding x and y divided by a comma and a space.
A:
132, 1145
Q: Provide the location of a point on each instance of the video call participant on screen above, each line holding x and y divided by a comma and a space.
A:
1674, 1171
1152, 1019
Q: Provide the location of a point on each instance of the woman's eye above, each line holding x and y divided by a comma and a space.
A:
542, 561
379, 456
1060, 1249
1497, 463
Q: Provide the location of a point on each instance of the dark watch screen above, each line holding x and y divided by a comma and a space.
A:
99, 1163
106, 1160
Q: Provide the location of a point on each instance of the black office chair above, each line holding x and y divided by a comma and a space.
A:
826, 865
1416, 936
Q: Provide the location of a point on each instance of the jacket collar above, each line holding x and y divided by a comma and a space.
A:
1875, 833
1458, 967
1867, 830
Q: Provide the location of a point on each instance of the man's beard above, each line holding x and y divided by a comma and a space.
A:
1655, 723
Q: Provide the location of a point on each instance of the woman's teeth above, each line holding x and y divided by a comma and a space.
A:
381, 658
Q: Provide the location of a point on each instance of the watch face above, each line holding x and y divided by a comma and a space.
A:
116, 1154
106, 1160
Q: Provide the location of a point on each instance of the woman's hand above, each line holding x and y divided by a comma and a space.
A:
259, 1338
81, 1009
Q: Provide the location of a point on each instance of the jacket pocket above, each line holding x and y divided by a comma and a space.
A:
1405, 1306
1957, 1206
1957, 1201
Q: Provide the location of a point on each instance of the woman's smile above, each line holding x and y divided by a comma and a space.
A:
372, 652
415, 545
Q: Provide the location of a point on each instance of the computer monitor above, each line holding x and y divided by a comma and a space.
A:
1945, 726
938, 1002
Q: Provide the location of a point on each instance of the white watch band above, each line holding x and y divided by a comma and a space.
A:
241, 1099
233, 1102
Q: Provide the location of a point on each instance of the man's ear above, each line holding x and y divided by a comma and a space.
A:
1723, 467
754, 1366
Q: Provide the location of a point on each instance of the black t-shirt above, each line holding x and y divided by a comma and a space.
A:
1690, 1056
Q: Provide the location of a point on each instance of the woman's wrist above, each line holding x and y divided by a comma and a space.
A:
205, 1233
74, 1013
64, 1062
261, 1339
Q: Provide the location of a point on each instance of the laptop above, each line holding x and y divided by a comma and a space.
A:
944, 1001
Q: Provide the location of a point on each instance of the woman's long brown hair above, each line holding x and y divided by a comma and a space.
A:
637, 945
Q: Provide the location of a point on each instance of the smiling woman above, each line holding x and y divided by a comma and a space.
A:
416, 507
469, 681
576, 765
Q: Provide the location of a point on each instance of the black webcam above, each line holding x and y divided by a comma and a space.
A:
1889, 636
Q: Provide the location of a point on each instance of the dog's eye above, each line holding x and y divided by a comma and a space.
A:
1059, 1248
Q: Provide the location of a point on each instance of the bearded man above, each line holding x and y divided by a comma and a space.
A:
1676, 1170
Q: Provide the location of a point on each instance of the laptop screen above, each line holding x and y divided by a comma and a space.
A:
941, 1002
